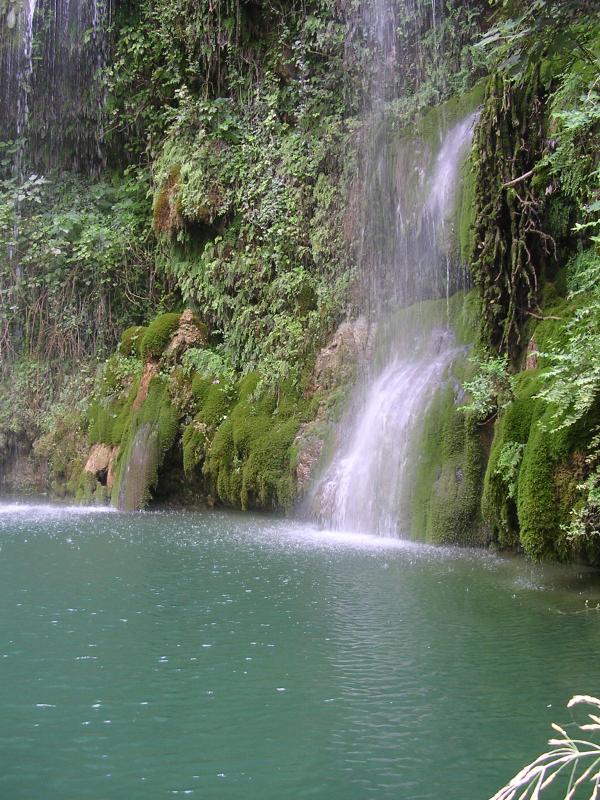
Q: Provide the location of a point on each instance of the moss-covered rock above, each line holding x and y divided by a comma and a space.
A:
449, 473
158, 335
534, 468
131, 341
150, 433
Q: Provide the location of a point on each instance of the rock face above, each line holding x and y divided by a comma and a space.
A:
337, 362
100, 464
309, 455
335, 367
532, 359
150, 371
190, 333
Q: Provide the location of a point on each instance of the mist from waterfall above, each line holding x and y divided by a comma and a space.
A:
407, 257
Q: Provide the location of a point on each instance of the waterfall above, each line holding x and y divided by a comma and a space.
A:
407, 256
52, 55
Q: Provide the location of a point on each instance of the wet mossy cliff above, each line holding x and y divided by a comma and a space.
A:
509, 452
170, 421
243, 130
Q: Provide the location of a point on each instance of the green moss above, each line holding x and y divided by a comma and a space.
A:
131, 341
149, 434
539, 515
466, 212
158, 335
499, 510
213, 401
449, 473
450, 464
250, 461
109, 420
552, 462
166, 212
444, 115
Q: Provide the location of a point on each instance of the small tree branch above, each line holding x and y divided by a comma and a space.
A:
518, 180
542, 318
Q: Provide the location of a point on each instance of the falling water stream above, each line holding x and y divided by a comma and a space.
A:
52, 54
406, 258
366, 486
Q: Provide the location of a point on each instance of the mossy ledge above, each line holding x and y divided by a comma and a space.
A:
234, 442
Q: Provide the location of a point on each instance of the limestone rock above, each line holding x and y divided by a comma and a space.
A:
100, 463
309, 453
190, 333
336, 363
532, 359
150, 371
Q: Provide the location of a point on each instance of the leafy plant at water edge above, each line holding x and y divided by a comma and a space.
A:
575, 760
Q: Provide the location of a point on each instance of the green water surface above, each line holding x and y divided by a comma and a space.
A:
224, 656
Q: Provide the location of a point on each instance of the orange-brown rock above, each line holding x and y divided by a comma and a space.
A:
150, 371
100, 463
190, 333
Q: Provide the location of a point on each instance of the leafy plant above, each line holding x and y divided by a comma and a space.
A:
572, 379
507, 467
208, 364
573, 760
490, 389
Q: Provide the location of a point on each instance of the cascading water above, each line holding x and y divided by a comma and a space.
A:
52, 53
409, 192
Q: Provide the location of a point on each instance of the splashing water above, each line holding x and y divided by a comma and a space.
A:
363, 491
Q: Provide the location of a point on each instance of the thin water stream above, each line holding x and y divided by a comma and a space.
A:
224, 656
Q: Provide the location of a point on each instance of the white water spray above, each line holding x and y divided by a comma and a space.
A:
364, 490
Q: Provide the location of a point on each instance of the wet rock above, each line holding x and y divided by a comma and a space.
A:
309, 451
337, 362
191, 332
100, 464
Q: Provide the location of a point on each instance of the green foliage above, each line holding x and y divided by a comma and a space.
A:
538, 30
47, 412
216, 50
572, 380
490, 389
507, 467
583, 528
208, 364
158, 334
131, 341
76, 264
251, 252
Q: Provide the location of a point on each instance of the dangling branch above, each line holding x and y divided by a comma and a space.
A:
518, 180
